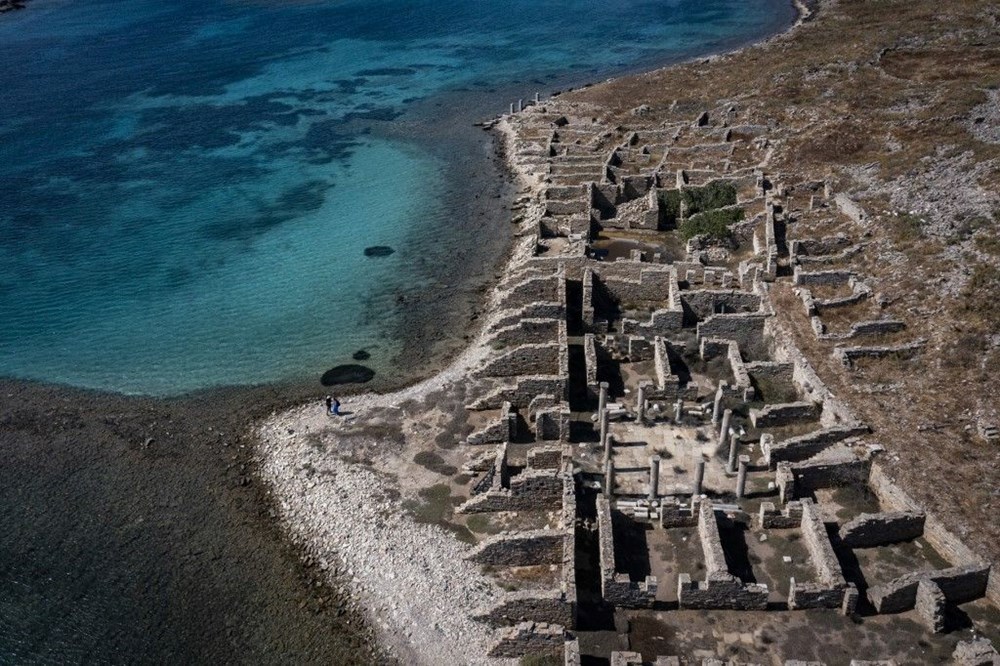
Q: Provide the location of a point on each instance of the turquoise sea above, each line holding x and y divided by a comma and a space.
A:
188, 187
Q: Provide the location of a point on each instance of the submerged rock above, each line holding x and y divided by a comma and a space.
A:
378, 251
361, 355
350, 373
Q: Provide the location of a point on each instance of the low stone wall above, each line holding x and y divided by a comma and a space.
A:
545, 457
806, 446
530, 638
542, 310
535, 289
662, 322
720, 591
504, 429
831, 586
706, 302
678, 514
770, 517
746, 329
548, 606
531, 490
830, 277
526, 331
524, 360
879, 529
522, 391
770, 416
617, 588
930, 605
810, 475
958, 584
817, 542
847, 355
520, 549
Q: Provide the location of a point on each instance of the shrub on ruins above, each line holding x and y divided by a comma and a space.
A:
714, 224
717, 194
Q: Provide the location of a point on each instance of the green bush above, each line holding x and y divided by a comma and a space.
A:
716, 194
714, 224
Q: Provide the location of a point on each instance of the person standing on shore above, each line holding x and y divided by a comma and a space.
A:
335, 409
329, 405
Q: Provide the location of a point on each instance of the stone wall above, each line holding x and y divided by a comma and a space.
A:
770, 517
810, 475
675, 513
526, 331
616, 588
545, 457
548, 606
930, 605
746, 329
958, 584
531, 490
831, 277
720, 591
522, 391
504, 429
520, 549
879, 529
541, 310
536, 289
770, 416
805, 446
524, 360
530, 638
661, 322
817, 542
704, 302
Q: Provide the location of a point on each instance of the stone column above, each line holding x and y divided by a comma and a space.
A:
741, 480
608, 444
699, 478
640, 404
654, 477
602, 397
604, 431
717, 407
734, 441
609, 478
727, 417
536, 98
678, 410
520, 105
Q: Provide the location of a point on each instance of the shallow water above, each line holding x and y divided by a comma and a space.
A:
189, 187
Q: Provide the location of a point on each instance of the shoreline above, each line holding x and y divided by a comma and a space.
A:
288, 398
313, 524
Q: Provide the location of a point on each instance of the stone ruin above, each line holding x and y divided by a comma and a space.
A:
641, 387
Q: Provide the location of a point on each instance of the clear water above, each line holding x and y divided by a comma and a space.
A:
188, 186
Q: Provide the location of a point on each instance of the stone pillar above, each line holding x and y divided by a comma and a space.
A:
602, 397
520, 105
727, 417
734, 441
604, 430
536, 98
654, 477
640, 404
678, 410
812, 202
717, 407
699, 478
609, 478
741, 479
512, 108
608, 444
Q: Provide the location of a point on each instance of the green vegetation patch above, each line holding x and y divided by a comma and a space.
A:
714, 224
717, 194
434, 463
